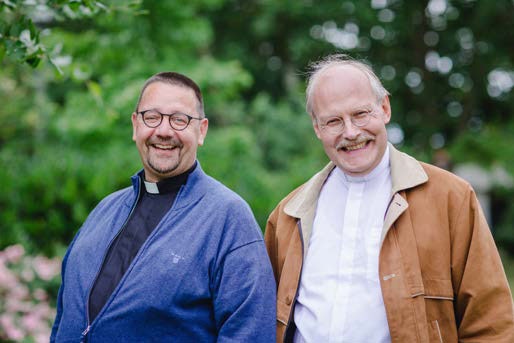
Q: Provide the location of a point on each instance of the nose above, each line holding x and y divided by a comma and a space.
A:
164, 129
350, 131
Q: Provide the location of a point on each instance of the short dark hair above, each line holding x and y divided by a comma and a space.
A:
174, 78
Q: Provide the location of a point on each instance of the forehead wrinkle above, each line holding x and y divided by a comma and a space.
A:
157, 94
342, 91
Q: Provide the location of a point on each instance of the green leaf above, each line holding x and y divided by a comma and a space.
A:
2, 50
9, 46
32, 29
59, 70
8, 3
33, 61
134, 4
101, 6
16, 29
74, 6
19, 51
4, 28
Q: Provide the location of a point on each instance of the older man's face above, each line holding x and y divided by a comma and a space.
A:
344, 91
164, 151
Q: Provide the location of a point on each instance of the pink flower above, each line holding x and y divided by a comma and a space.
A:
19, 291
46, 268
14, 253
24, 311
31, 322
27, 274
40, 294
42, 337
13, 305
12, 332
7, 278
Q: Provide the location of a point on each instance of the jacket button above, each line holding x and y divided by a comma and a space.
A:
289, 300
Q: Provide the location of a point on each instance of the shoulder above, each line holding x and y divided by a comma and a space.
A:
222, 196
416, 177
114, 200
445, 181
119, 195
225, 202
443, 192
279, 209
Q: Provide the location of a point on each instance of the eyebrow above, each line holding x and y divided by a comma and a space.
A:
361, 108
353, 111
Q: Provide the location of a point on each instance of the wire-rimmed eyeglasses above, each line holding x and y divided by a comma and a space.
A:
178, 121
336, 124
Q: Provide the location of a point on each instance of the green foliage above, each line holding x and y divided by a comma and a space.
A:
65, 139
19, 36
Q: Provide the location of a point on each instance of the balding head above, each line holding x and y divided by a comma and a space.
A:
319, 70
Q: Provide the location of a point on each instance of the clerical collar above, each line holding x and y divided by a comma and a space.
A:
171, 184
379, 169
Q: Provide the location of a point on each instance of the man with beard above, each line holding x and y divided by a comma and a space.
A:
177, 257
377, 246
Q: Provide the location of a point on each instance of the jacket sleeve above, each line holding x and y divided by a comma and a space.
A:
271, 243
58, 315
244, 296
483, 306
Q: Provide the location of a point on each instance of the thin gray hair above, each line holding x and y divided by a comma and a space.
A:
316, 69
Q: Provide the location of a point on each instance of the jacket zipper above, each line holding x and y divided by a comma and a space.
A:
88, 324
84, 333
298, 285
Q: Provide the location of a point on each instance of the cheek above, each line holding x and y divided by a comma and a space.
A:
330, 142
142, 137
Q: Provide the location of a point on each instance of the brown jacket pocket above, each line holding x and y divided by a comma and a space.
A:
440, 312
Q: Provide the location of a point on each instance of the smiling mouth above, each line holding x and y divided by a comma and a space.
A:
163, 147
355, 147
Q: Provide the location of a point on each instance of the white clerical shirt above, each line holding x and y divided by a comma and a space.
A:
339, 297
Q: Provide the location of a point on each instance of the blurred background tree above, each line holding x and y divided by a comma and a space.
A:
71, 70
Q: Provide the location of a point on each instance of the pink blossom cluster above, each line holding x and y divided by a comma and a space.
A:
25, 313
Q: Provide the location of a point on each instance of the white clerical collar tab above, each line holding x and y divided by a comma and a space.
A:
151, 187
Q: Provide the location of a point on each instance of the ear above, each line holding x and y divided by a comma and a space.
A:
316, 127
386, 108
204, 126
134, 126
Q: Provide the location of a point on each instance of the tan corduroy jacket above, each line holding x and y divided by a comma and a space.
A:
440, 273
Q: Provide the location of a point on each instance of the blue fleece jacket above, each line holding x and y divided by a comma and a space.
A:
203, 275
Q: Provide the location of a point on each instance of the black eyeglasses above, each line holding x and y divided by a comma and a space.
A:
178, 121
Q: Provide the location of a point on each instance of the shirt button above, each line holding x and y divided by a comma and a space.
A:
289, 300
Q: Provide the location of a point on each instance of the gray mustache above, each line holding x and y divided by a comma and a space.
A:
361, 139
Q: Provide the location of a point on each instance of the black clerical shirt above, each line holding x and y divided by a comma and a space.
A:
155, 199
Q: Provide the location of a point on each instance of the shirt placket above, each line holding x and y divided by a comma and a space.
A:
346, 261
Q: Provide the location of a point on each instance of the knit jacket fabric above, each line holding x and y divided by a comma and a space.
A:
203, 275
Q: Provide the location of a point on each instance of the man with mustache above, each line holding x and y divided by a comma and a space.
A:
377, 246
177, 257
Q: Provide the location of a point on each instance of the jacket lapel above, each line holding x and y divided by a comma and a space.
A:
303, 204
406, 172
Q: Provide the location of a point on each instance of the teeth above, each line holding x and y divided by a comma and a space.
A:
166, 147
355, 147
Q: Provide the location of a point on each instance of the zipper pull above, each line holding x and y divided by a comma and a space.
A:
84, 333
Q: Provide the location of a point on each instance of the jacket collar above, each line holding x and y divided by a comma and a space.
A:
195, 187
406, 172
